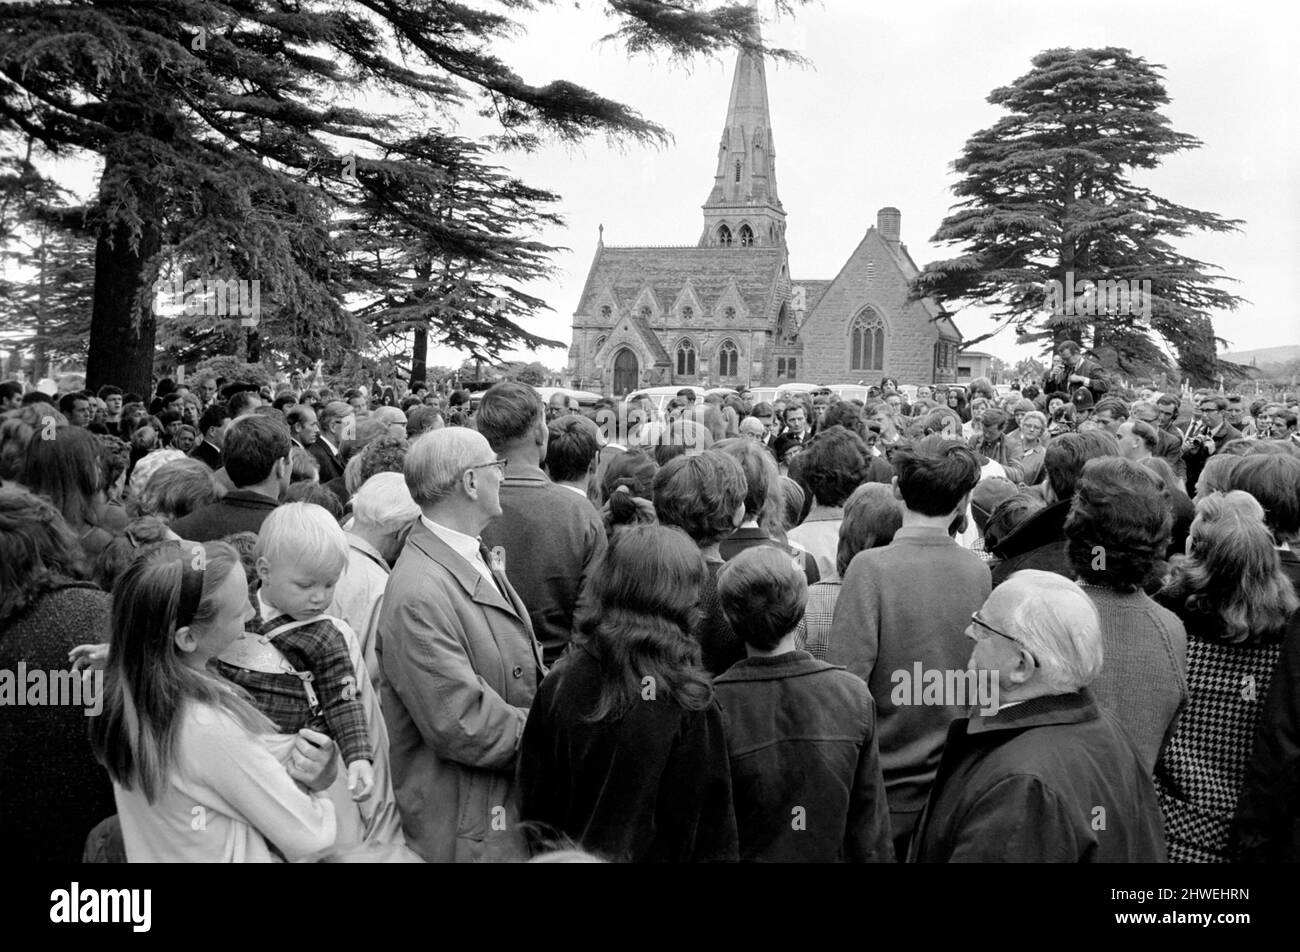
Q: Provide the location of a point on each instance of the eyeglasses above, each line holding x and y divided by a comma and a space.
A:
976, 620
500, 464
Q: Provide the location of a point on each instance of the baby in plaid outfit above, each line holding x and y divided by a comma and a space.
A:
300, 553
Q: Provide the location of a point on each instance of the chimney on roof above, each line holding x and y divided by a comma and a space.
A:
889, 222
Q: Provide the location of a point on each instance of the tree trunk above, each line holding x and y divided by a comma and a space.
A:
253, 343
121, 348
420, 356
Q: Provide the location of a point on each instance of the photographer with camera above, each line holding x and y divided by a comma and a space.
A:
1209, 433
1071, 370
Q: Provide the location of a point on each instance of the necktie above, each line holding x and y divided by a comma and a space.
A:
487, 560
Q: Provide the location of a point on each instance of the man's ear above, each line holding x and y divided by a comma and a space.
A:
893, 482
1024, 667
262, 567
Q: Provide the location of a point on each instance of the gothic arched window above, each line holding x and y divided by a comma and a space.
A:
746, 236
867, 341
786, 331
600, 342
728, 359
738, 170
724, 235
686, 358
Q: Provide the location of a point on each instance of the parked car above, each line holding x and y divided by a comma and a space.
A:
659, 396
586, 399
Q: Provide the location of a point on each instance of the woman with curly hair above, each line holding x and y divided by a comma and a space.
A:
1116, 534
623, 749
51, 790
1234, 601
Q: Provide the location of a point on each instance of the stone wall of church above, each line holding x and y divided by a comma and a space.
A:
870, 278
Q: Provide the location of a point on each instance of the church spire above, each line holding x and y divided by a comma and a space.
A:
744, 207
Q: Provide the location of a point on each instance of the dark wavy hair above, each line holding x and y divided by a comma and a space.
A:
834, 463
1232, 577
700, 495
642, 601
37, 550
1119, 523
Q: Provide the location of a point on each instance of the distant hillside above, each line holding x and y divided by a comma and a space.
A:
1265, 355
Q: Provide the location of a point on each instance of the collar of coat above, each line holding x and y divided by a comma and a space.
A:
473, 581
1073, 708
775, 667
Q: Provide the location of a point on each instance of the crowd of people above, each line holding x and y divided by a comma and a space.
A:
1056, 624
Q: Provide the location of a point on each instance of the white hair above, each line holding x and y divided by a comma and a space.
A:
1056, 620
389, 416
437, 460
305, 535
150, 464
384, 503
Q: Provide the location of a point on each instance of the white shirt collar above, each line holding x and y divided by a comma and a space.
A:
467, 547
574, 489
333, 449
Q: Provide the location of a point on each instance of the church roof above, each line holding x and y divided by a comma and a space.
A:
627, 271
813, 291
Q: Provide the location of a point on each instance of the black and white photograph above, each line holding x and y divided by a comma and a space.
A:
516, 432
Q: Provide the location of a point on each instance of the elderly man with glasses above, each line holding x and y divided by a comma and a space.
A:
460, 663
1049, 776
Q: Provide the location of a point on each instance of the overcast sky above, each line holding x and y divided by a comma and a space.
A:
891, 95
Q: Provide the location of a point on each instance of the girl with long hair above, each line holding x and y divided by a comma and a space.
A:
199, 774
623, 749
1234, 600
956, 402
62, 464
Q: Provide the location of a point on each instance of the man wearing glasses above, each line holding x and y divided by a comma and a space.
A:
459, 660
1050, 777
1207, 435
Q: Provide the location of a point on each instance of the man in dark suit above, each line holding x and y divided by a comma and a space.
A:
796, 432
337, 424
304, 430
213, 425
1071, 370
256, 453
1208, 434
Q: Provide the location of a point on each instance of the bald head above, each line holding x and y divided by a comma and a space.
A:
753, 428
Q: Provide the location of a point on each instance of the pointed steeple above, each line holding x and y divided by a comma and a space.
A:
744, 206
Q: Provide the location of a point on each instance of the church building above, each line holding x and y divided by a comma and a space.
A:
726, 312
